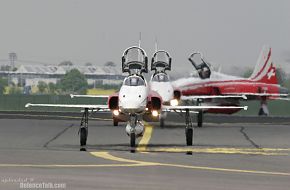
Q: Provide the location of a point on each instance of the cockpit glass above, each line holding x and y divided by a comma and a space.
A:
160, 78
161, 57
134, 81
134, 55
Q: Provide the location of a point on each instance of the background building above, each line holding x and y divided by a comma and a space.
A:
30, 75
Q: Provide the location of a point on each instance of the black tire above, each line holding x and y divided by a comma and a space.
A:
132, 140
200, 119
189, 136
115, 122
83, 136
262, 112
161, 122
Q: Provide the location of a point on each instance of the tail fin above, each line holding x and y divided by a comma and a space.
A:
265, 71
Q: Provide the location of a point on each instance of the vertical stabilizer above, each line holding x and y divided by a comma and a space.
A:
264, 70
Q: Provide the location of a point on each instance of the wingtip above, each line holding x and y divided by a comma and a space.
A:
27, 105
245, 97
71, 96
245, 107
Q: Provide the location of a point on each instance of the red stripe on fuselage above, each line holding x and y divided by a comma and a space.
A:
238, 86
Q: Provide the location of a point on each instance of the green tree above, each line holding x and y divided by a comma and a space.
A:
287, 82
3, 84
52, 88
74, 82
42, 86
248, 73
15, 90
281, 76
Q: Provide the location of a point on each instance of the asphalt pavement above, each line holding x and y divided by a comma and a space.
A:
36, 153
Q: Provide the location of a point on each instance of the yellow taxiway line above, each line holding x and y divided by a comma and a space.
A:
246, 151
142, 146
107, 156
135, 163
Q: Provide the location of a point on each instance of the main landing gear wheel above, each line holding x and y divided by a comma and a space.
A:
83, 132
200, 119
83, 136
115, 122
189, 135
188, 129
161, 122
162, 119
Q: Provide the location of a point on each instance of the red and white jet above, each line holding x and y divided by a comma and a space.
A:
133, 101
261, 85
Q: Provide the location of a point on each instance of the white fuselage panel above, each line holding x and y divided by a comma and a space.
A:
164, 89
133, 99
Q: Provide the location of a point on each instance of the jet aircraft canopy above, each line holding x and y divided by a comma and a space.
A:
161, 60
202, 67
134, 81
134, 61
160, 77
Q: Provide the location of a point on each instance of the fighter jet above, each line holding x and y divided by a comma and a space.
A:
262, 85
133, 101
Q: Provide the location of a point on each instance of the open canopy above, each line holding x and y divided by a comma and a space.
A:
161, 60
134, 60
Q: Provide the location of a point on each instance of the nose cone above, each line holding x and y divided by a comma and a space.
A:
132, 100
164, 89
283, 91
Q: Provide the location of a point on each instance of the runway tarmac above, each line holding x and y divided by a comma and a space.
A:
224, 156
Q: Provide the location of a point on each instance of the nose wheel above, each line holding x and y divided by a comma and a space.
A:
132, 140
133, 123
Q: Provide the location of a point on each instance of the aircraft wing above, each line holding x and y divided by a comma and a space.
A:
273, 96
259, 94
96, 107
242, 96
88, 96
200, 108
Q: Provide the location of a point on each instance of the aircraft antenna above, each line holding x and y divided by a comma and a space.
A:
156, 44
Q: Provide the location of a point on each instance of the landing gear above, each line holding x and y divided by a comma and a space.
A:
162, 119
83, 132
188, 128
132, 140
199, 119
264, 111
189, 134
115, 121
133, 122
200, 114
161, 122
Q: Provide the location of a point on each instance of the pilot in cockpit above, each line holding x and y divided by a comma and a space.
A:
204, 72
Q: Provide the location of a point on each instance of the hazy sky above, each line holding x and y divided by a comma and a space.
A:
228, 32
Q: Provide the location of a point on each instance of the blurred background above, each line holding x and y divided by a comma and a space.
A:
49, 49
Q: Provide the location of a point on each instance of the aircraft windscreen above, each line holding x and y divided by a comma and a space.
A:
160, 78
134, 55
134, 81
201, 66
161, 57
197, 59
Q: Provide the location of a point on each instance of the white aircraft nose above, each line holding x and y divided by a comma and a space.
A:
132, 101
165, 90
